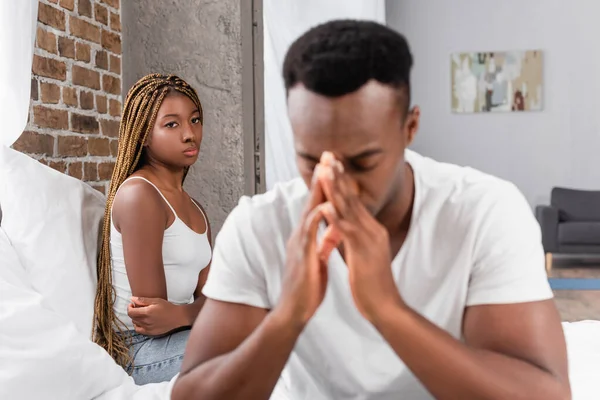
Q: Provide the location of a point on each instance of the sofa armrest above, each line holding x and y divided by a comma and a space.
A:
547, 217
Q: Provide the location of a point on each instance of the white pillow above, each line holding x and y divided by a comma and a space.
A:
53, 222
42, 353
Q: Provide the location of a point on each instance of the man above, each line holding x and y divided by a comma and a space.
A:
436, 286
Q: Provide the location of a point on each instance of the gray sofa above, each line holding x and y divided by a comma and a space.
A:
571, 223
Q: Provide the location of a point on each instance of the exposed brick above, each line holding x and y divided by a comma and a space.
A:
86, 100
99, 187
46, 40
109, 128
45, 117
90, 171
49, 68
83, 52
76, 169
114, 147
35, 143
72, 146
105, 170
85, 8
111, 41
101, 14
86, 77
99, 146
34, 89
101, 104
90, 35
112, 3
102, 59
60, 166
68, 4
115, 22
69, 96
84, 123
111, 84
84, 30
51, 16
115, 64
114, 107
66, 47
50, 92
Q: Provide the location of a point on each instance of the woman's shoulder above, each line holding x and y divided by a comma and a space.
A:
137, 195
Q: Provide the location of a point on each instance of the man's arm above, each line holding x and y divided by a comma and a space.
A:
514, 351
238, 351
514, 345
235, 352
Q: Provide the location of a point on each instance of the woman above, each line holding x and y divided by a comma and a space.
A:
156, 246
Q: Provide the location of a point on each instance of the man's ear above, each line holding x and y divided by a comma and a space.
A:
411, 125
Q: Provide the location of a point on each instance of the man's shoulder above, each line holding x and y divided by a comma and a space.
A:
457, 185
277, 209
464, 195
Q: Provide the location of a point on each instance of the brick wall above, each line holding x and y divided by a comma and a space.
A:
76, 89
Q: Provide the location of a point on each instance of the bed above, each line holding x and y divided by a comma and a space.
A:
583, 346
49, 229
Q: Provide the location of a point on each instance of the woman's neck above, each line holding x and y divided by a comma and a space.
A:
170, 179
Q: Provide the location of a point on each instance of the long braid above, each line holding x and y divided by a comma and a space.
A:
139, 115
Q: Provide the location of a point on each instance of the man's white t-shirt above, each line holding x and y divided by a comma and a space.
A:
473, 240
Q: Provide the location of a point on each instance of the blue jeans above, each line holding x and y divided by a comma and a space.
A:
156, 358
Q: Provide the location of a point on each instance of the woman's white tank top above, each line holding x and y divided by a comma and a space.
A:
185, 253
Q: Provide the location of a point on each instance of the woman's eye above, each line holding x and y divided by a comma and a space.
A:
195, 120
171, 124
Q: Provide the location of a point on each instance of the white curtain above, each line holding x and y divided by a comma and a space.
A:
18, 21
285, 21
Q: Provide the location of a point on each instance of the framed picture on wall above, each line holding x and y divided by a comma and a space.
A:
509, 81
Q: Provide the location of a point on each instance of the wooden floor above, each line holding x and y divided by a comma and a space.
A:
577, 305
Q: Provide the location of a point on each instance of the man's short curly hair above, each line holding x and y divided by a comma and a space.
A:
338, 57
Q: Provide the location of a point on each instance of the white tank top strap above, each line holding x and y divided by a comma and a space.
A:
201, 212
157, 189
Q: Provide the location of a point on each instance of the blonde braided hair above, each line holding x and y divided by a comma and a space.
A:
139, 115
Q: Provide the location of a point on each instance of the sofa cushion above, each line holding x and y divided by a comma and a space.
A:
586, 233
576, 205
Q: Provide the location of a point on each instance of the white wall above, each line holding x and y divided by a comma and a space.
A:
559, 146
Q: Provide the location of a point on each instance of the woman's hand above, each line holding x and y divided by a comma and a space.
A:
155, 316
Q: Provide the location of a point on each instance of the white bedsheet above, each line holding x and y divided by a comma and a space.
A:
583, 346
44, 356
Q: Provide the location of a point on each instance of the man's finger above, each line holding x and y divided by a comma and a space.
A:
330, 241
345, 191
332, 236
316, 195
311, 226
